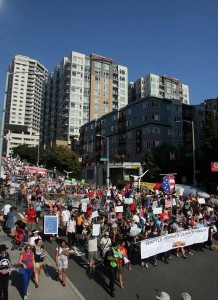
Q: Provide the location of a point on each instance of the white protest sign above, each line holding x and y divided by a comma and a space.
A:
84, 207
153, 246
157, 211
94, 214
128, 200
92, 245
95, 229
134, 231
201, 200
118, 209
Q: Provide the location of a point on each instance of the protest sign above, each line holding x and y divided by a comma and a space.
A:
118, 209
201, 200
157, 211
50, 224
153, 246
94, 214
95, 229
92, 245
128, 200
84, 207
134, 231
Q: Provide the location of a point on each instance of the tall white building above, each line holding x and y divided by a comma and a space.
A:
158, 86
26, 78
82, 88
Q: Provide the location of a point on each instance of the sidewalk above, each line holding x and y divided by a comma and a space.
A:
48, 288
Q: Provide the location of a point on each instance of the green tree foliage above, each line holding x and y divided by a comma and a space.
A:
62, 158
26, 152
166, 159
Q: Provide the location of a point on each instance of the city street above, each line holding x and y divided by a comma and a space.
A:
195, 275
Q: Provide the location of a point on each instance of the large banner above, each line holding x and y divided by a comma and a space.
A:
167, 242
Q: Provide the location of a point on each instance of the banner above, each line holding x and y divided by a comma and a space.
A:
167, 242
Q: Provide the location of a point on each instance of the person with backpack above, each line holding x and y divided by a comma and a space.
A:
112, 257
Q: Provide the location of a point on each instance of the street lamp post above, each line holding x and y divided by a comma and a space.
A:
193, 149
108, 168
4, 109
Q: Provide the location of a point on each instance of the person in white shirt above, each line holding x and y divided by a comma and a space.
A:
105, 243
5, 210
35, 235
71, 231
65, 216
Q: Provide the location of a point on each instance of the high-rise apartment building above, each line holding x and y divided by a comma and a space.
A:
158, 86
82, 88
24, 92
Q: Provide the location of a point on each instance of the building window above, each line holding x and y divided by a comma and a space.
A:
145, 105
146, 130
155, 117
156, 130
155, 104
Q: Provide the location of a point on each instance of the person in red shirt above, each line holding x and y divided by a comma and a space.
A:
27, 261
31, 218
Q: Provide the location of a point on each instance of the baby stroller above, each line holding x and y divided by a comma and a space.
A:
17, 242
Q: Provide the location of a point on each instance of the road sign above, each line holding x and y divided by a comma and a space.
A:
103, 159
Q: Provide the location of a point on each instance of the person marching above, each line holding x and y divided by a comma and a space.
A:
113, 256
4, 271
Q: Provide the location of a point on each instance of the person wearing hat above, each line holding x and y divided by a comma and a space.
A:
4, 271
163, 296
35, 235
105, 243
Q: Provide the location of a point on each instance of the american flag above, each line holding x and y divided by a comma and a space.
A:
168, 184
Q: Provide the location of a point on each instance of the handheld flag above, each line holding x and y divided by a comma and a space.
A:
168, 184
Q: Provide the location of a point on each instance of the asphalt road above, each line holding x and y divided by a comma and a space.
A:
196, 275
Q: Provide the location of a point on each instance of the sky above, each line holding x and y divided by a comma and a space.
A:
175, 38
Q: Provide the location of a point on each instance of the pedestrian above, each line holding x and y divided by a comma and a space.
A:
31, 218
27, 262
5, 210
92, 250
105, 243
35, 235
10, 221
61, 258
71, 231
113, 256
4, 271
38, 208
39, 255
